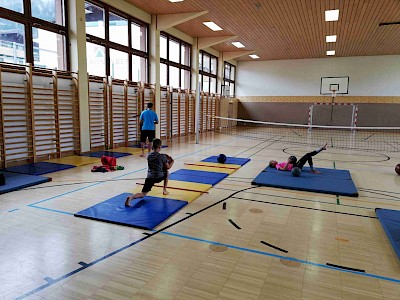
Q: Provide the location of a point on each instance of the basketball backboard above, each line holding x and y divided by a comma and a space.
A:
338, 84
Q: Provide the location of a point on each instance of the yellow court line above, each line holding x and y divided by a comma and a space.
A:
217, 165
210, 169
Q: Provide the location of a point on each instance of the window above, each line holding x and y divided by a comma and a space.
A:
96, 59
228, 88
208, 69
46, 48
175, 56
117, 43
36, 35
12, 46
95, 19
48, 10
118, 29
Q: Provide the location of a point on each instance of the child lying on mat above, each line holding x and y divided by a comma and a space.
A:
292, 161
159, 164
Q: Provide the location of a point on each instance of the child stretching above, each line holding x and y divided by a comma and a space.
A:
292, 161
159, 164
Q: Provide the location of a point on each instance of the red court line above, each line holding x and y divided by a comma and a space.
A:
175, 188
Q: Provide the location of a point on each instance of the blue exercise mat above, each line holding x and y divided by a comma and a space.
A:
16, 181
310, 182
197, 176
39, 168
390, 221
99, 154
145, 214
229, 160
306, 171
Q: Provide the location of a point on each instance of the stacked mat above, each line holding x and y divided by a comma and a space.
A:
184, 186
390, 221
329, 181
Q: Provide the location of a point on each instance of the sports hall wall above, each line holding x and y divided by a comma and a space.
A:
283, 90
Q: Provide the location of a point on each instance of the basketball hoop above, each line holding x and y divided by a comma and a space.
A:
333, 94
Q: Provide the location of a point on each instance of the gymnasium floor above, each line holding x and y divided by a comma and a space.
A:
47, 253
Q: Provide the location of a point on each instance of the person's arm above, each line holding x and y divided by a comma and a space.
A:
141, 118
286, 166
169, 162
156, 120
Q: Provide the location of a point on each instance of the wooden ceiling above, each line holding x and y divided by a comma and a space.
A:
291, 29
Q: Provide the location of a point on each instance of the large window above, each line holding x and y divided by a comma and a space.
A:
208, 70
228, 88
34, 31
175, 56
116, 43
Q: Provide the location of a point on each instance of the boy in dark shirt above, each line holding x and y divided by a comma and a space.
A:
159, 164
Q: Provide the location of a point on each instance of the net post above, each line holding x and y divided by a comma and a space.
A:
310, 112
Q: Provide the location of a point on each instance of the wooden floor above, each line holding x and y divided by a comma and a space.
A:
47, 253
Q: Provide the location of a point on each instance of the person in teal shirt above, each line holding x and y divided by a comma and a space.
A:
148, 119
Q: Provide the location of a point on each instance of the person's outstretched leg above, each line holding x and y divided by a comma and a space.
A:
150, 147
136, 196
308, 158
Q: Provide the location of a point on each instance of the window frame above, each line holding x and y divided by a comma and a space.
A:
229, 80
29, 22
107, 44
169, 63
203, 73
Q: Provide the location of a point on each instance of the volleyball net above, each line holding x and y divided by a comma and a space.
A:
380, 139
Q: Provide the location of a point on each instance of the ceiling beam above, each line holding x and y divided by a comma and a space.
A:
234, 54
205, 42
167, 21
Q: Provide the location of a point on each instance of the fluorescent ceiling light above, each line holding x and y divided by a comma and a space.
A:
253, 56
331, 38
238, 44
330, 52
212, 26
175, 0
332, 15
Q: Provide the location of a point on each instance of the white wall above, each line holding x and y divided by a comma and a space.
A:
369, 76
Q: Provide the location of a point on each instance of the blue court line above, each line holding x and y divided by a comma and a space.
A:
49, 209
13, 210
281, 256
51, 281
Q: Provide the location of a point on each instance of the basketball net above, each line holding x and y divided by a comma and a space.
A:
333, 93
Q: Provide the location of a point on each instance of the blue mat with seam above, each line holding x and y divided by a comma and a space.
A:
197, 176
390, 221
99, 154
329, 181
39, 168
17, 181
229, 160
144, 213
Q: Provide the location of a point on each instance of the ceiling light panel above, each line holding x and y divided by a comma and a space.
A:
175, 0
330, 52
212, 26
331, 38
238, 44
253, 56
331, 15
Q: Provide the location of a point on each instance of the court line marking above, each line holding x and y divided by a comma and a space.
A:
304, 207
282, 257
87, 265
